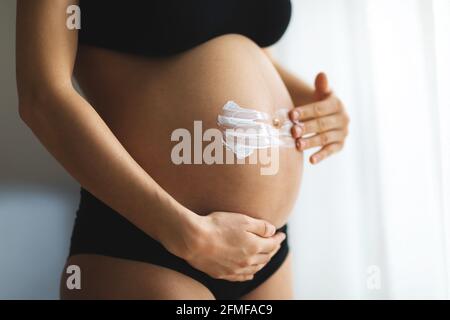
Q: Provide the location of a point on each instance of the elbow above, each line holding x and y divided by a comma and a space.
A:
28, 110
33, 104
32, 109
30, 99
25, 113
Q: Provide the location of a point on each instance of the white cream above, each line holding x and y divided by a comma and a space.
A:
246, 130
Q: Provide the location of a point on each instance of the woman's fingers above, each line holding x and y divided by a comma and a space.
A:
297, 130
322, 123
239, 278
327, 123
267, 245
317, 109
260, 227
250, 270
321, 85
325, 152
321, 139
264, 258
335, 121
255, 263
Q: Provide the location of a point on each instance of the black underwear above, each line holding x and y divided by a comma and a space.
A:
101, 230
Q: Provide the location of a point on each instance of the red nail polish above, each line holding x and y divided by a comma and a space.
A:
297, 132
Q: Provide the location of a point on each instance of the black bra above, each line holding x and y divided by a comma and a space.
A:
165, 27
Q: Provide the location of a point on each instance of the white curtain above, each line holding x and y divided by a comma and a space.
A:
373, 222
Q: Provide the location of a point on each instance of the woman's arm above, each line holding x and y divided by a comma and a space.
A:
68, 126
301, 92
71, 129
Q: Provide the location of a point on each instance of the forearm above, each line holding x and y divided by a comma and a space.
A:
80, 140
301, 92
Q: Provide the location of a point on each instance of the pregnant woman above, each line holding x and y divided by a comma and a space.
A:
147, 227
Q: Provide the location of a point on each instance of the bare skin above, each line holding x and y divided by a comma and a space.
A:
118, 147
232, 67
280, 286
144, 111
107, 278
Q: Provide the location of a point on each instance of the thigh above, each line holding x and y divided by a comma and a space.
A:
278, 287
108, 278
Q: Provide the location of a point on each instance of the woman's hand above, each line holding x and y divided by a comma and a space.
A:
320, 124
232, 246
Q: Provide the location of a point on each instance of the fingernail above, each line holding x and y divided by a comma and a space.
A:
298, 132
295, 115
302, 144
316, 159
271, 230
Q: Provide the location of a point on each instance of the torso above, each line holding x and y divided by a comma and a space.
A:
144, 99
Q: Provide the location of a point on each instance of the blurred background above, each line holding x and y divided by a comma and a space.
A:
371, 223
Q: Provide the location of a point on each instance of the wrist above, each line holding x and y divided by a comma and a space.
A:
181, 233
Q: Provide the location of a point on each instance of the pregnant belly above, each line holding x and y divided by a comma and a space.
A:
145, 100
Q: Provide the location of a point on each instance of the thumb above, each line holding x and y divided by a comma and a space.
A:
321, 86
261, 228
